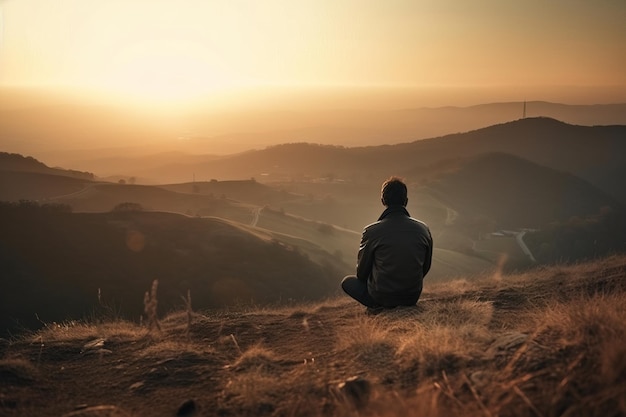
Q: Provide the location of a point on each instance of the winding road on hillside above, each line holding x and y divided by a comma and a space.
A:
70, 195
451, 216
256, 212
519, 237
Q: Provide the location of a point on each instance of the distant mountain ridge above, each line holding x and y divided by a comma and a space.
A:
495, 113
594, 153
529, 173
538, 150
66, 131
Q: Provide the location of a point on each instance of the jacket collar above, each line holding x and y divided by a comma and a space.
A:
393, 210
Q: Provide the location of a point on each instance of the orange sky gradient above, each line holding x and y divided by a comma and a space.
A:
165, 51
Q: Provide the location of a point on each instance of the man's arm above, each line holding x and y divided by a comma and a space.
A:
429, 255
365, 258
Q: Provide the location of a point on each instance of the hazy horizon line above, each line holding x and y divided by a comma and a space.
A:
342, 96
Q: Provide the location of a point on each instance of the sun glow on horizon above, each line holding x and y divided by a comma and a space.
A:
166, 71
164, 51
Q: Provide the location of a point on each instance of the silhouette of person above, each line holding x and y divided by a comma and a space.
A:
394, 256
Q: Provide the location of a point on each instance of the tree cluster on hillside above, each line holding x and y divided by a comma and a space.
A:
127, 206
580, 238
32, 206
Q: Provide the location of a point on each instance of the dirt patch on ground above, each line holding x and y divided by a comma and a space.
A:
486, 350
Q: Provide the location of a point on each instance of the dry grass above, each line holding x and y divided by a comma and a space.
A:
17, 371
169, 349
588, 333
549, 342
76, 331
257, 358
252, 393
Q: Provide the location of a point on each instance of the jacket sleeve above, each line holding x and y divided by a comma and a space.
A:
365, 259
429, 255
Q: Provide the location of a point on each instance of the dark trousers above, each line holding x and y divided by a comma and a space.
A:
357, 289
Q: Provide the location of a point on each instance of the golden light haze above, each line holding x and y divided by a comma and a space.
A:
156, 50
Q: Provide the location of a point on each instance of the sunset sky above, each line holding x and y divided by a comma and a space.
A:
156, 49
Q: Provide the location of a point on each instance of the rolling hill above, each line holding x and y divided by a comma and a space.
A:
92, 196
518, 174
59, 127
246, 191
461, 199
18, 163
15, 185
30, 179
55, 263
512, 192
101, 197
26, 178
343, 243
594, 153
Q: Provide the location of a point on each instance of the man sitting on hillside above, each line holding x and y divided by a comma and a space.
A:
394, 257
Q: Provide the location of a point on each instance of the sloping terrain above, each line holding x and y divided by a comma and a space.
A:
513, 192
461, 199
16, 186
18, 163
246, 191
317, 239
546, 343
247, 202
203, 198
344, 244
26, 178
102, 197
594, 153
56, 265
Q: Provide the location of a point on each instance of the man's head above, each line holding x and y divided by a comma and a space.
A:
394, 192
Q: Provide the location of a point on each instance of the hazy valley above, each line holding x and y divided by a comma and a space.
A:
260, 240
536, 176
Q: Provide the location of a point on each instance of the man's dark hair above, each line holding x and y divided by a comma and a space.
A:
394, 192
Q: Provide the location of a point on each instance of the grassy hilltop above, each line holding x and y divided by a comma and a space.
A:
549, 342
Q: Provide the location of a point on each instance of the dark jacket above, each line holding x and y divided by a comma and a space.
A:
394, 257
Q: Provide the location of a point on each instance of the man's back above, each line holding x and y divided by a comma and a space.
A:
394, 257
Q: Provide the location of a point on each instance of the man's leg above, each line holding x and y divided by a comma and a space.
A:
357, 289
